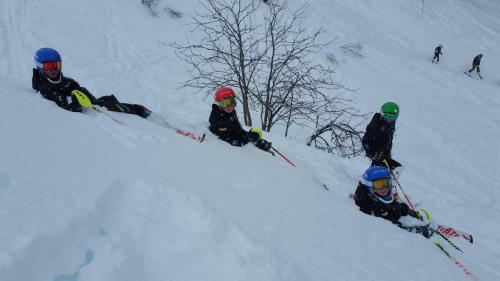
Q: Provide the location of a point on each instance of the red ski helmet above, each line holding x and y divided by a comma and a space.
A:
224, 93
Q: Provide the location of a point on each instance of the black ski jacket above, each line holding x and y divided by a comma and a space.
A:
437, 51
59, 91
378, 136
369, 204
227, 126
477, 60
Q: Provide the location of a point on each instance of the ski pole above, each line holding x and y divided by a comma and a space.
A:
397, 182
447, 240
283, 156
84, 101
98, 109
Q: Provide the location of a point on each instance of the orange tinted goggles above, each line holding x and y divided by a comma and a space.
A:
52, 65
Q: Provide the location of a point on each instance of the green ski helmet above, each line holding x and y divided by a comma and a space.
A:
390, 111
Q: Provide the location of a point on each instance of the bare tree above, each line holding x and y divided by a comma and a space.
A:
336, 129
292, 81
230, 52
266, 52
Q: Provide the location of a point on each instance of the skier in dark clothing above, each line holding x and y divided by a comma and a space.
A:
377, 140
225, 124
374, 197
437, 52
53, 85
475, 64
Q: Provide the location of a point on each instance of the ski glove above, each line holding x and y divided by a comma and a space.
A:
414, 214
254, 135
81, 98
377, 156
264, 145
405, 210
73, 104
381, 156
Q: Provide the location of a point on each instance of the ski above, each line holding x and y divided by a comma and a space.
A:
191, 135
451, 232
460, 265
446, 231
468, 74
160, 121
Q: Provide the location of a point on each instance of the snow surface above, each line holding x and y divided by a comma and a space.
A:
85, 198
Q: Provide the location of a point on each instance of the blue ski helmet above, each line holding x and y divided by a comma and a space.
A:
46, 55
377, 173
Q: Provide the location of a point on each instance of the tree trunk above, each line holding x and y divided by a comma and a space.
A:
246, 111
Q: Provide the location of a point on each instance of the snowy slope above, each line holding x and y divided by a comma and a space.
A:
85, 198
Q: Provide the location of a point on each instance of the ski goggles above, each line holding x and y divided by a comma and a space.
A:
51, 65
227, 102
390, 117
381, 184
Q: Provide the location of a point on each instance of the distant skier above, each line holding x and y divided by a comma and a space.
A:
377, 140
475, 65
225, 124
53, 85
374, 196
437, 52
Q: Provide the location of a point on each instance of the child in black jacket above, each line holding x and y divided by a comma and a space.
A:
374, 196
377, 140
225, 124
53, 85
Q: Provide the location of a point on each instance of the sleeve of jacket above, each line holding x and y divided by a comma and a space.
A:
369, 138
362, 200
35, 80
215, 123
